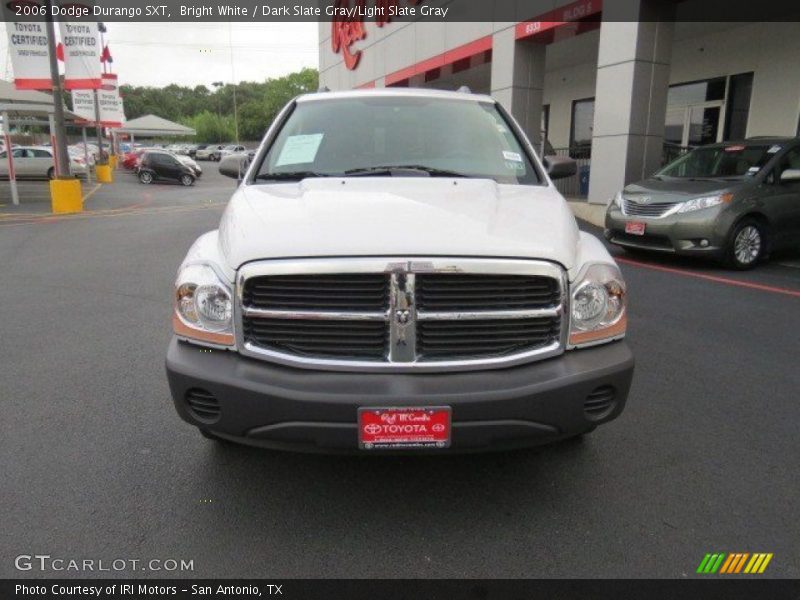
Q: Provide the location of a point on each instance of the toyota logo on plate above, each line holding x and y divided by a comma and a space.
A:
372, 428
438, 427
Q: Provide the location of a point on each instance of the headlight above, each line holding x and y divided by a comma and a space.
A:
617, 200
597, 306
203, 306
704, 202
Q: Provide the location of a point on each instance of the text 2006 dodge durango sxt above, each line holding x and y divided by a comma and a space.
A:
397, 273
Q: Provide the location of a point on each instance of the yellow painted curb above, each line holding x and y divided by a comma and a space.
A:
66, 196
104, 174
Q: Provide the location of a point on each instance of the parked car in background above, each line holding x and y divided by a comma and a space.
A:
231, 150
189, 162
733, 201
193, 148
130, 160
210, 152
158, 165
36, 162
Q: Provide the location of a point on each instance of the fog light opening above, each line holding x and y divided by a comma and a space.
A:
600, 402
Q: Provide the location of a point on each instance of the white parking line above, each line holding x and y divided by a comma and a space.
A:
795, 264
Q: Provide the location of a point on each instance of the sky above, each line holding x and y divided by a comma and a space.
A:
158, 54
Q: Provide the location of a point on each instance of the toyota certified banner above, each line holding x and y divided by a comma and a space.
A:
27, 45
82, 48
112, 113
111, 109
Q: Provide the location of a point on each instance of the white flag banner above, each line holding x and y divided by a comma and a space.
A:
111, 110
112, 113
81, 43
83, 104
30, 57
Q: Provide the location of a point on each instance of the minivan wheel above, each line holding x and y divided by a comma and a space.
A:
51, 173
187, 180
747, 245
146, 177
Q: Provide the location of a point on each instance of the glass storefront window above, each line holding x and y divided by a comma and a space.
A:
580, 139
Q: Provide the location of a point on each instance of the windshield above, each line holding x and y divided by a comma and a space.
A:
372, 135
720, 162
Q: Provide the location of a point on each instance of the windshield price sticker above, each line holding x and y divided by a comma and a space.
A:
774, 149
515, 156
300, 149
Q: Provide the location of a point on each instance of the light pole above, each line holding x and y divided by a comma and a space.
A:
60, 134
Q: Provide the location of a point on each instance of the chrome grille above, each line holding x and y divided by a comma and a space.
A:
653, 210
389, 314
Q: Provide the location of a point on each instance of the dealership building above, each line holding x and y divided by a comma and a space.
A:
621, 96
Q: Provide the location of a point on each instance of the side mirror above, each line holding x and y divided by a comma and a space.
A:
790, 176
234, 166
559, 167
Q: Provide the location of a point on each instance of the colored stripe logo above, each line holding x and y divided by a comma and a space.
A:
734, 563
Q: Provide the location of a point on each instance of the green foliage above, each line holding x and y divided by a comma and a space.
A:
211, 113
211, 127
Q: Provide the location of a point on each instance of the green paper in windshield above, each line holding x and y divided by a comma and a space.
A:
299, 149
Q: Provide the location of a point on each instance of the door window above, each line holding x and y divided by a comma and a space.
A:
42, 154
791, 160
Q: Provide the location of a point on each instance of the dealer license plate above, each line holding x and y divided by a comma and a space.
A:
634, 227
400, 428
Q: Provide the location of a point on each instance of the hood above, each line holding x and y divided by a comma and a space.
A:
398, 216
678, 190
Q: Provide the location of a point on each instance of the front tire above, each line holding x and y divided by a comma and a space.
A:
145, 177
187, 180
747, 245
51, 173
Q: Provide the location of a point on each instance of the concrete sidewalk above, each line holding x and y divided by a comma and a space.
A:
591, 213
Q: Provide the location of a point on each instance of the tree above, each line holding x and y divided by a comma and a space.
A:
212, 111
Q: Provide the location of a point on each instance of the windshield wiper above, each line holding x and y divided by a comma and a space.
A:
289, 176
402, 169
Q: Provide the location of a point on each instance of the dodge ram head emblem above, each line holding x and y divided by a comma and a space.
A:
402, 329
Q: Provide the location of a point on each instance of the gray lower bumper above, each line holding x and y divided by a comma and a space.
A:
280, 407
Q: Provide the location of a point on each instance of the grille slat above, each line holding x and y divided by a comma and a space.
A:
365, 292
445, 291
325, 339
446, 339
656, 209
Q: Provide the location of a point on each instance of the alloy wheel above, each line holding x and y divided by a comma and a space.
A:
747, 245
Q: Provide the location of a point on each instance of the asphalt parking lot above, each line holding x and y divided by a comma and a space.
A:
96, 464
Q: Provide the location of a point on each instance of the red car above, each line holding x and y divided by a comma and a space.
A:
131, 160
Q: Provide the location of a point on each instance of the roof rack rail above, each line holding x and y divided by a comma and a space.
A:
464, 89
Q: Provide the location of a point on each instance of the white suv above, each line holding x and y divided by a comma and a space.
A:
397, 273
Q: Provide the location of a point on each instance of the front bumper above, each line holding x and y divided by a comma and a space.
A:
676, 234
273, 406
